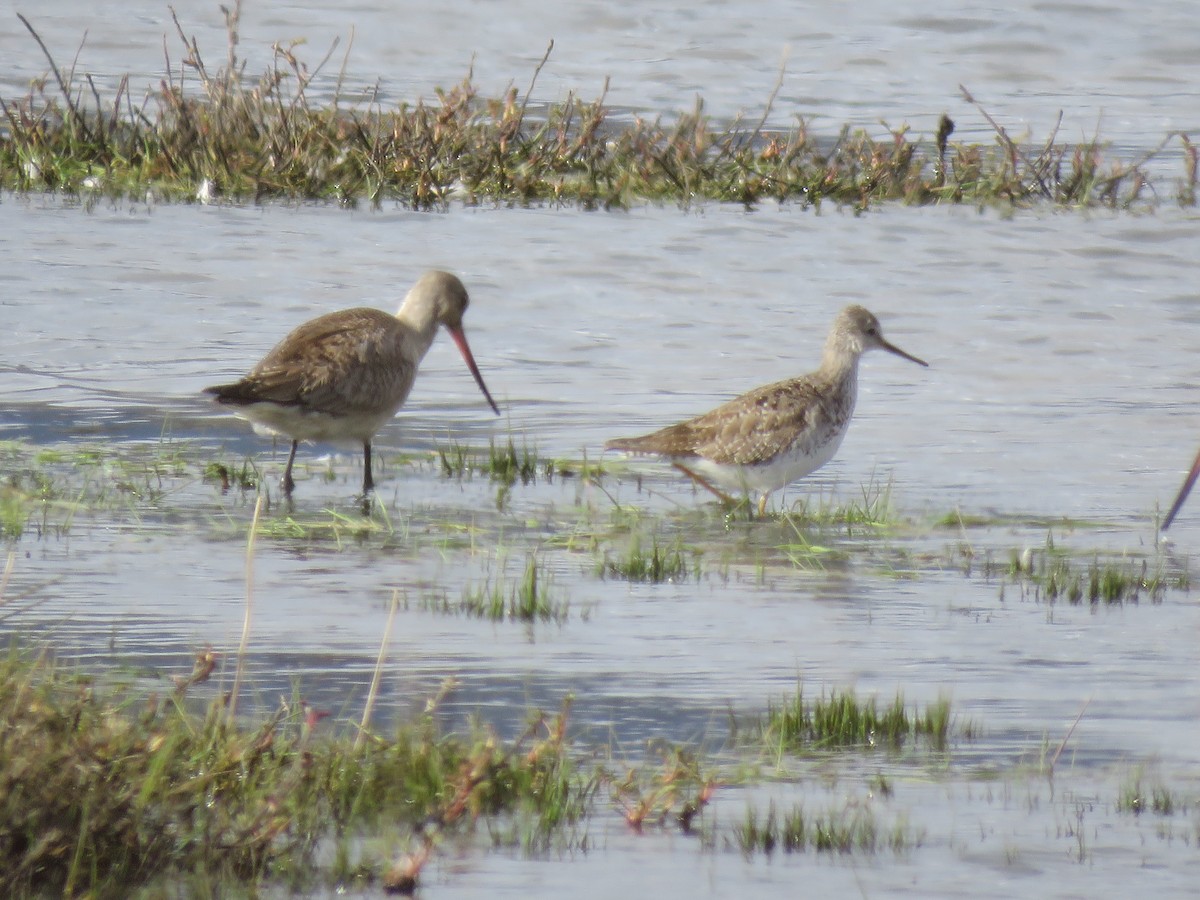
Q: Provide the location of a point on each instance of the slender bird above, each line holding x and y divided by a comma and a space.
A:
1183, 493
342, 375
777, 433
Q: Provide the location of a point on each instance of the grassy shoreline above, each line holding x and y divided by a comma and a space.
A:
207, 134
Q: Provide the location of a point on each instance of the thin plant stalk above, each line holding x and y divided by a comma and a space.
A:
241, 654
369, 707
8, 568
1070, 731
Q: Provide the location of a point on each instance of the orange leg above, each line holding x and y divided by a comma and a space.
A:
705, 483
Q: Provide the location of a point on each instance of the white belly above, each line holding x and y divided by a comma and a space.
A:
292, 422
765, 477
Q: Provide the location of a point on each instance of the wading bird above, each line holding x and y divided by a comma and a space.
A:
778, 433
342, 375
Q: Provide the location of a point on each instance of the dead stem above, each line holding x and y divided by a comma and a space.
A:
377, 676
241, 654
1067, 736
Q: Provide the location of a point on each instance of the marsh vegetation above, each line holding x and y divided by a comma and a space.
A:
211, 131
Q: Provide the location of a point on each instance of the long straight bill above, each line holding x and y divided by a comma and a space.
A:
892, 348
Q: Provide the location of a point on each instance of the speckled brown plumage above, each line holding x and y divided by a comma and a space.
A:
755, 427
777, 433
344, 374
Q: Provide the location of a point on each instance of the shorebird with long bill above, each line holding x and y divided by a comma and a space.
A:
343, 375
776, 434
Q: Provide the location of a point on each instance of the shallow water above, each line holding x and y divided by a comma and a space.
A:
1062, 387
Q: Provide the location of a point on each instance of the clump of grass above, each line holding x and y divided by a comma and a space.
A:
677, 791
105, 794
1137, 797
850, 829
660, 564
530, 600
503, 463
841, 719
505, 466
1053, 576
874, 509
34, 498
244, 478
207, 133
16, 507
455, 460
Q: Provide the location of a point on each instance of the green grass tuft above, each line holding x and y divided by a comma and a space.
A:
1053, 576
1136, 796
661, 564
850, 829
842, 720
506, 466
530, 600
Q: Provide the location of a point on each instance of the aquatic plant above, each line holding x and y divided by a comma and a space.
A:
852, 828
1139, 794
529, 600
455, 460
207, 133
660, 564
502, 463
505, 466
675, 792
332, 525
1053, 575
245, 477
842, 720
874, 510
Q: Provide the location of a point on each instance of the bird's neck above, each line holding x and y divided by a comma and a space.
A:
838, 364
420, 325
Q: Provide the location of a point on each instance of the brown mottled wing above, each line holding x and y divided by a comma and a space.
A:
337, 362
749, 429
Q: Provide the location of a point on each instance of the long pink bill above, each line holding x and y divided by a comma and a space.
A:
460, 339
1183, 493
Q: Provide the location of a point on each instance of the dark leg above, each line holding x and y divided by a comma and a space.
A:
368, 481
288, 484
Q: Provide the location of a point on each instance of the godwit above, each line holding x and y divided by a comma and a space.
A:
341, 376
777, 433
